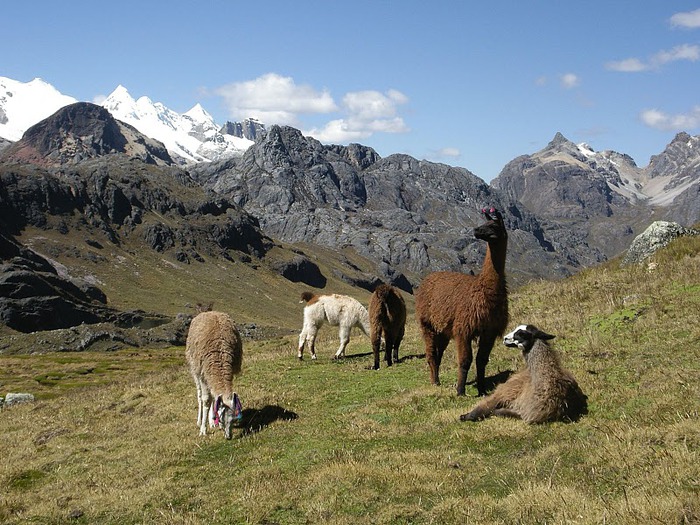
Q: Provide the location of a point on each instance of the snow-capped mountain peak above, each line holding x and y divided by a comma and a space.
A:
189, 137
192, 136
23, 104
585, 149
199, 114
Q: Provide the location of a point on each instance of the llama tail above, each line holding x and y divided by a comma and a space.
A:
382, 291
364, 321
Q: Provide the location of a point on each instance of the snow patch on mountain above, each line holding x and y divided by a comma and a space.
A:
191, 137
23, 104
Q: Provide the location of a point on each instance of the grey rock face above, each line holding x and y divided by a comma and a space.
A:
655, 237
570, 187
675, 176
250, 129
301, 270
602, 198
113, 195
409, 216
82, 131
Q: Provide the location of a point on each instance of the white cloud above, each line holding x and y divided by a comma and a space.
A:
449, 152
367, 112
689, 19
634, 65
684, 52
274, 99
372, 105
657, 119
338, 132
99, 99
569, 80
629, 65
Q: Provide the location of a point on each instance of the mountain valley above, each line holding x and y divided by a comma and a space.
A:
249, 229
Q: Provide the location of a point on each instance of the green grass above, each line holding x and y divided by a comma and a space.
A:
112, 437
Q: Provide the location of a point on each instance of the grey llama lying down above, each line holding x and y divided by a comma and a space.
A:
214, 354
543, 391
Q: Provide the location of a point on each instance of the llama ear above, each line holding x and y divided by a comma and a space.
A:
486, 214
539, 334
217, 403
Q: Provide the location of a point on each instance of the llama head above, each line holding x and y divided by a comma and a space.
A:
493, 229
525, 336
306, 297
226, 414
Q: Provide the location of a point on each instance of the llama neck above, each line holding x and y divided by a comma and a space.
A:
541, 361
494, 269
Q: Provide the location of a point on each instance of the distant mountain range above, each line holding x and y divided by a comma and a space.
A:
287, 198
190, 137
578, 206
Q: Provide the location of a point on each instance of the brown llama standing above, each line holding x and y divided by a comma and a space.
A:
387, 316
452, 305
541, 392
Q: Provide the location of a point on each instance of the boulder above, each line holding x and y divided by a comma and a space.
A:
655, 237
16, 398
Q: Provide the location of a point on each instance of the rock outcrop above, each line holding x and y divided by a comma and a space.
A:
34, 296
83, 131
408, 216
655, 237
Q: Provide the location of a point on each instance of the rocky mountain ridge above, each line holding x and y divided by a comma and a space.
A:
604, 197
82, 173
408, 215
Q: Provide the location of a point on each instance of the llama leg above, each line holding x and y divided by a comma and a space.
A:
344, 334
308, 335
302, 342
200, 408
397, 343
376, 347
479, 412
482, 358
205, 400
429, 338
389, 343
312, 342
435, 345
464, 362
506, 412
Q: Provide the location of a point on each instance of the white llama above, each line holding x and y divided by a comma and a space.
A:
337, 310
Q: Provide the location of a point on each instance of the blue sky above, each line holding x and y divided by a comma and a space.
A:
471, 84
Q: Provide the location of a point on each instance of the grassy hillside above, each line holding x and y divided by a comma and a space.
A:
113, 439
137, 278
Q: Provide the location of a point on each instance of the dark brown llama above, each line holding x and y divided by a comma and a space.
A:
387, 316
541, 392
452, 305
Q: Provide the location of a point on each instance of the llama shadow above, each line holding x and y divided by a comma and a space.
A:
381, 354
491, 382
398, 361
355, 356
254, 419
410, 357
